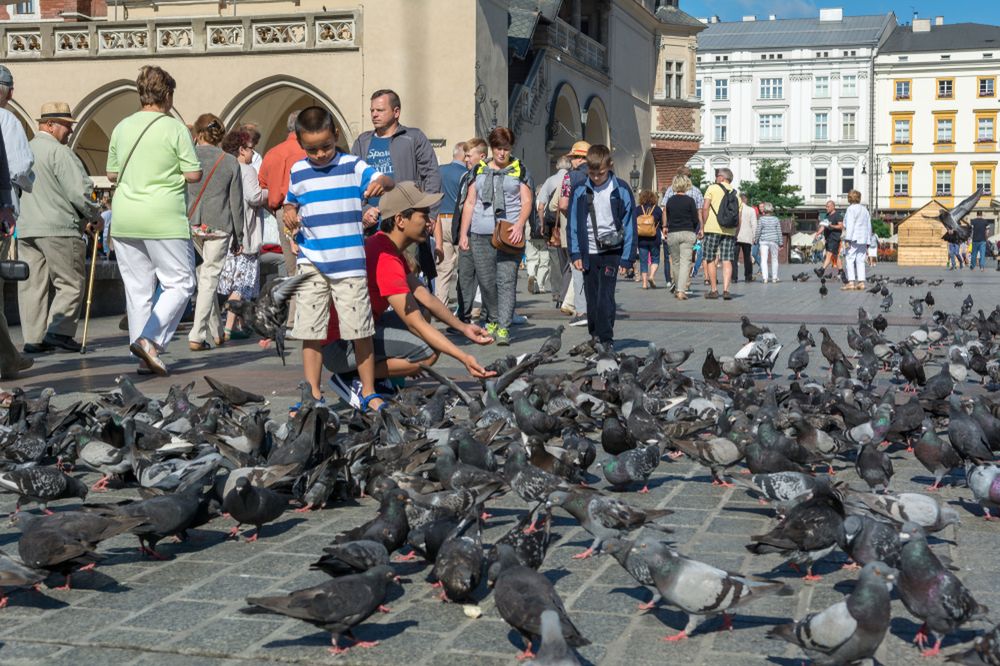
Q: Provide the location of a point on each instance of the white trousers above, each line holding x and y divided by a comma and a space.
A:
144, 262
769, 261
857, 255
536, 254
576, 298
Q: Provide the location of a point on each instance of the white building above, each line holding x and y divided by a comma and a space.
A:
936, 114
797, 90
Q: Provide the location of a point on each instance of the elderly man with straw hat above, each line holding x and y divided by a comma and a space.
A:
60, 208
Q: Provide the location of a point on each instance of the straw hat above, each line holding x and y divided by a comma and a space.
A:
579, 149
56, 111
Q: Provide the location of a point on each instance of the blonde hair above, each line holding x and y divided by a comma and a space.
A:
477, 143
680, 184
766, 208
854, 197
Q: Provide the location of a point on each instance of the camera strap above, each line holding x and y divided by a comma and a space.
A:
593, 217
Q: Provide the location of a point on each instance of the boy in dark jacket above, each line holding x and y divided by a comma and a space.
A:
602, 237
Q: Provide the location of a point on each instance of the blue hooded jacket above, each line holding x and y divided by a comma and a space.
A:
579, 228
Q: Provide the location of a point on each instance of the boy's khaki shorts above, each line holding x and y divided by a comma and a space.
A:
312, 306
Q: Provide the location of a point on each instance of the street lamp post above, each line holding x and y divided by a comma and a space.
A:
634, 176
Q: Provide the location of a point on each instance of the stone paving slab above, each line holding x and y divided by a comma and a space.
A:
186, 611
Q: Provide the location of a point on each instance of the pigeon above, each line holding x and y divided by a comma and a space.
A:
874, 466
41, 485
529, 547
268, 314
638, 562
15, 576
337, 605
604, 517
917, 305
247, 503
804, 336
554, 650
831, 350
984, 482
233, 395
985, 650
911, 368
964, 433
880, 323
632, 466
710, 369
927, 512
702, 590
810, 531
931, 592
615, 438
389, 527
521, 596
954, 231
929, 300
886, 303
51, 548
798, 360
165, 515
936, 455
851, 630
459, 563
353, 557
784, 486
823, 291
867, 539
750, 332
716, 454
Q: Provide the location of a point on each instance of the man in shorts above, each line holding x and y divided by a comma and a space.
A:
831, 230
718, 244
404, 338
323, 210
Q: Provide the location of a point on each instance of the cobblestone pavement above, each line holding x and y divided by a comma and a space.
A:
185, 610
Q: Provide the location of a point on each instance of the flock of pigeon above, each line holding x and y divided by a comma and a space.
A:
437, 457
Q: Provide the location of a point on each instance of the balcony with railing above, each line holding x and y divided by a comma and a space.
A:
564, 38
178, 36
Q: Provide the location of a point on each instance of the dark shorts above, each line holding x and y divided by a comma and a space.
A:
722, 246
391, 340
832, 245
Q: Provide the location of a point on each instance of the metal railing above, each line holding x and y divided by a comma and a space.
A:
569, 40
528, 97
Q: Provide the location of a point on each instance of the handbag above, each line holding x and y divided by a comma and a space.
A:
16, 271
501, 238
646, 224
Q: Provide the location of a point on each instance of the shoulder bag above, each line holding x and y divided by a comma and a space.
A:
501, 238
135, 145
611, 240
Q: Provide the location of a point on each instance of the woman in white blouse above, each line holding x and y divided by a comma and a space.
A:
857, 235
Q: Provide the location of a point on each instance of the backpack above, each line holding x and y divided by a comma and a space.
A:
646, 224
728, 213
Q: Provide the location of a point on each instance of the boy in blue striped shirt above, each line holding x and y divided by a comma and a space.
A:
323, 211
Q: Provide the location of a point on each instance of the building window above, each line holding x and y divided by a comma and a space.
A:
822, 126
985, 130
901, 131
945, 88
987, 86
822, 86
849, 126
770, 88
679, 80
903, 58
673, 80
721, 129
945, 130
722, 89
697, 88
984, 179
770, 126
903, 89
25, 8
942, 182
821, 180
846, 180
946, 57
849, 85
900, 183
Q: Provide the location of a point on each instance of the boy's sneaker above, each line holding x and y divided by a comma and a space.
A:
578, 320
348, 388
518, 320
492, 329
502, 337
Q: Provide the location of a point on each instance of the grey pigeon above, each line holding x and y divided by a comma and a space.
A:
336, 605
851, 630
985, 650
927, 512
268, 314
935, 454
529, 546
984, 482
639, 562
701, 590
717, 454
41, 485
604, 517
931, 592
459, 562
783, 486
521, 596
233, 395
964, 433
810, 531
632, 466
867, 539
165, 515
554, 650
352, 557
14, 576
798, 360
247, 503
874, 466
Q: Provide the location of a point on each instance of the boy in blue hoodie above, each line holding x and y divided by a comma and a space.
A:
602, 237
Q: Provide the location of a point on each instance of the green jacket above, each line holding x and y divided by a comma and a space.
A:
61, 201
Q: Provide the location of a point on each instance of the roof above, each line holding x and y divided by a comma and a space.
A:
674, 16
793, 33
520, 29
953, 37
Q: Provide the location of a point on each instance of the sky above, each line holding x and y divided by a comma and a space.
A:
956, 11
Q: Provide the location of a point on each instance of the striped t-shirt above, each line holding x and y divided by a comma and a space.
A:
331, 237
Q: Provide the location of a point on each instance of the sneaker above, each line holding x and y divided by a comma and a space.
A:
502, 337
348, 388
578, 320
492, 329
712, 295
518, 320
532, 285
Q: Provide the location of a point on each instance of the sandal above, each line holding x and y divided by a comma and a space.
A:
368, 398
294, 409
681, 296
712, 295
155, 365
848, 287
726, 296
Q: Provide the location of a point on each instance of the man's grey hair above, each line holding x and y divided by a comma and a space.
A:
5, 92
744, 197
460, 148
292, 117
725, 173
766, 208
564, 163
831, 201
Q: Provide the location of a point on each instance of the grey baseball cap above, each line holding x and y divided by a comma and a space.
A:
6, 78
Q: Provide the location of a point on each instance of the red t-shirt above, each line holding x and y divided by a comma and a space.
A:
387, 276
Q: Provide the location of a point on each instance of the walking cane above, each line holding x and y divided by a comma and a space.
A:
90, 293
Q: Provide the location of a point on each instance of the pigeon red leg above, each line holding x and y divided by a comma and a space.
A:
409, 557
810, 576
384, 609
645, 490
674, 455
934, 651
234, 532
485, 516
727, 622
680, 636
649, 605
527, 654
921, 638
254, 537
584, 555
101, 486
851, 566
304, 509
65, 586
3, 601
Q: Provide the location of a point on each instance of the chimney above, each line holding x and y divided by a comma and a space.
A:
714, 19
833, 14
938, 20
749, 19
771, 17
921, 25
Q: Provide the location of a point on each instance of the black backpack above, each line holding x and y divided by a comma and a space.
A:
728, 214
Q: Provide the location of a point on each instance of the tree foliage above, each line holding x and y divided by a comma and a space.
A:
772, 186
880, 228
698, 179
